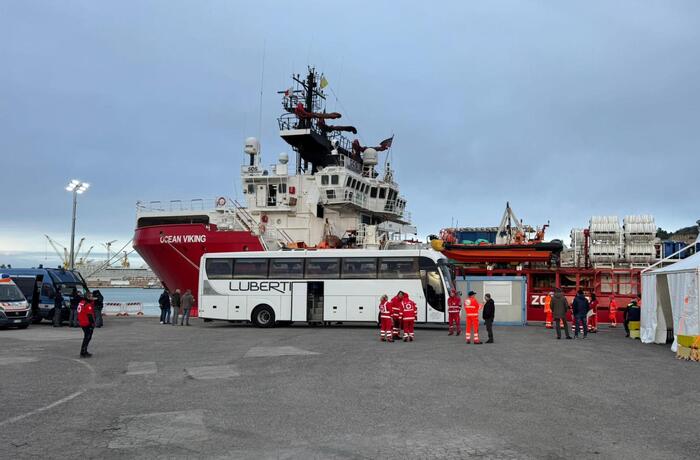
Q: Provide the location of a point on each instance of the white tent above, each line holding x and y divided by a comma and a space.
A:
670, 296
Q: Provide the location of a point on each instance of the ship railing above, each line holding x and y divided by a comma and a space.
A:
196, 204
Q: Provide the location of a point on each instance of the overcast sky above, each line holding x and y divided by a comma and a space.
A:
565, 108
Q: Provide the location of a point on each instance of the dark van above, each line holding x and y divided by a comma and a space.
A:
39, 287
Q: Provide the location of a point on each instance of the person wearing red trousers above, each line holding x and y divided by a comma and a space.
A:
613, 311
454, 305
385, 321
396, 312
410, 310
472, 307
593, 318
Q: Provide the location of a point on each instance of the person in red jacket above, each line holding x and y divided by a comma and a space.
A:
454, 305
613, 311
410, 311
472, 307
385, 321
396, 312
593, 318
86, 320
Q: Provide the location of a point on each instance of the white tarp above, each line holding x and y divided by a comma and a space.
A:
671, 289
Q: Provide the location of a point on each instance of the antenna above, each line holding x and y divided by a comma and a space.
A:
262, 81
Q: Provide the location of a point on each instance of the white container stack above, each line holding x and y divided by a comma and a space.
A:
640, 239
577, 247
606, 240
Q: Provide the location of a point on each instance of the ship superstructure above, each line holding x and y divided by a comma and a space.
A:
336, 197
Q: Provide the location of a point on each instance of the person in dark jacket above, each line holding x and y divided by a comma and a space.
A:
98, 302
187, 302
175, 302
75, 300
559, 308
57, 307
631, 313
489, 313
580, 310
164, 302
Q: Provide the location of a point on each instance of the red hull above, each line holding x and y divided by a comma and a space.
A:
174, 251
524, 254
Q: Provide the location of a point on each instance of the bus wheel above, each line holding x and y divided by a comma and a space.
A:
263, 316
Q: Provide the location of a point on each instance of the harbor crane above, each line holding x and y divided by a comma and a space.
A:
64, 254
108, 246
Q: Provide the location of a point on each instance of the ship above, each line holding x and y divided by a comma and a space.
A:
605, 259
337, 196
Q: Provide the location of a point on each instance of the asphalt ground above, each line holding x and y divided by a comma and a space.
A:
216, 390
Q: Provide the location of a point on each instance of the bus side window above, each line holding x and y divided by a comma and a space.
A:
398, 268
47, 291
325, 268
219, 269
359, 268
250, 268
287, 268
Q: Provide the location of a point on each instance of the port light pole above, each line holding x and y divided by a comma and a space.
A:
76, 187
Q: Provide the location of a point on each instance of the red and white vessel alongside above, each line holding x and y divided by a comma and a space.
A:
335, 198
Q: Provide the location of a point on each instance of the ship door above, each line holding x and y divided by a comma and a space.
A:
299, 301
261, 196
315, 302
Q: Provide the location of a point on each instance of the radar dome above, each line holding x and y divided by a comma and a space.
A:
284, 158
369, 156
252, 146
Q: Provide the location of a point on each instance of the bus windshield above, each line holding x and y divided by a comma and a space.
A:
10, 293
447, 276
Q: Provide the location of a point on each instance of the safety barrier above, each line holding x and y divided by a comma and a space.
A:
122, 309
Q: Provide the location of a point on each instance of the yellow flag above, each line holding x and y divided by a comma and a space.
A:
324, 82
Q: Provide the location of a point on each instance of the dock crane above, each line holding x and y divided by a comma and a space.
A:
108, 246
64, 255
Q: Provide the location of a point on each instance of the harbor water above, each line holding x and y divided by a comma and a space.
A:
147, 297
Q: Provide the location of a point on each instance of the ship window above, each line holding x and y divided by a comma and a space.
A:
250, 268
330, 194
348, 181
287, 268
324, 268
359, 268
353, 183
251, 189
373, 192
398, 268
169, 220
382, 193
334, 179
324, 180
283, 188
219, 269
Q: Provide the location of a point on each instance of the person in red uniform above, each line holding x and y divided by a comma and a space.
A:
396, 312
593, 318
385, 321
548, 310
408, 318
454, 305
613, 311
472, 307
86, 320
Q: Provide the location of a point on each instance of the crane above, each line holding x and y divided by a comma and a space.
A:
108, 246
84, 259
125, 260
64, 257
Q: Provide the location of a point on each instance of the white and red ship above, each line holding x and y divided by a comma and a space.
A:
335, 198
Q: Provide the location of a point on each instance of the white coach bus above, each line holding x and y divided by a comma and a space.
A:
320, 286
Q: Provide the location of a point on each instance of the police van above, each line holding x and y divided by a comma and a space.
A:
39, 286
14, 308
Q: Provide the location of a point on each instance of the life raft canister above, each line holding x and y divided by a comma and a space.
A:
221, 202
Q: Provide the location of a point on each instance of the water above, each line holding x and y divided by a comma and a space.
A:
148, 297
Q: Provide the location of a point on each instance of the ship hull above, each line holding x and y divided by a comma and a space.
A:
494, 253
173, 251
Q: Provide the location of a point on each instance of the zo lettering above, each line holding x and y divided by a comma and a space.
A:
259, 286
537, 300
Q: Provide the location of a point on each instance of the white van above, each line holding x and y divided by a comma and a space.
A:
14, 308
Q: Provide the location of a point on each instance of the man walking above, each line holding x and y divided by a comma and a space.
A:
489, 313
57, 307
471, 308
580, 311
559, 308
86, 319
454, 305
187, 303
164, 302
385, 321
175, 302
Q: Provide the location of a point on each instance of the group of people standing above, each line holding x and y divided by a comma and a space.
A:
176, 302
95, 298
471, 309
400, 313
584, 313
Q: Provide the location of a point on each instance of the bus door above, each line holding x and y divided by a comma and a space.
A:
299, 301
